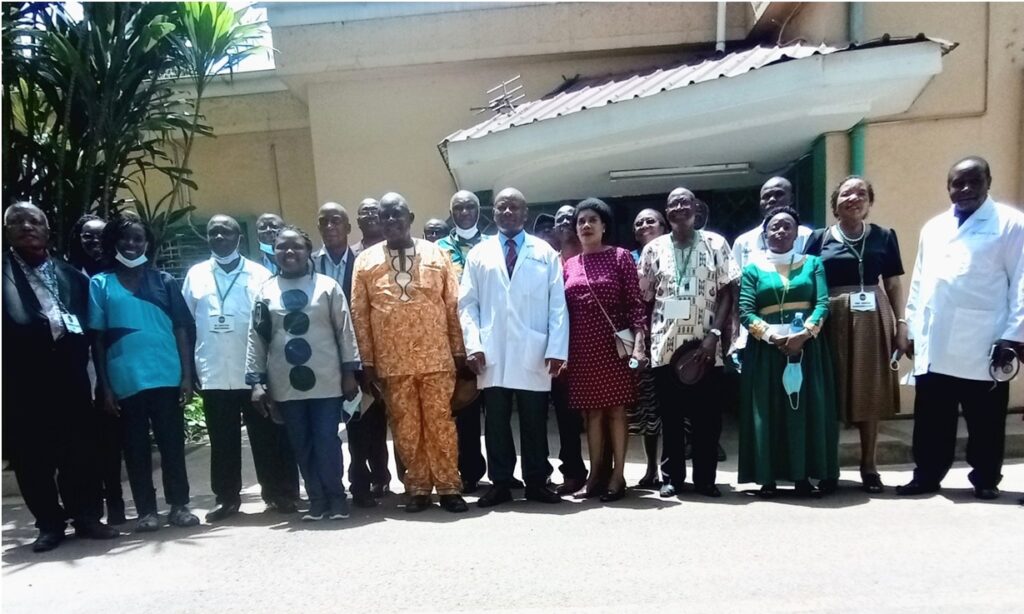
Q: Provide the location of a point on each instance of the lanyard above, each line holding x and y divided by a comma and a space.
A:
223, 297
785, 288
47, 277
859, 255
677, 253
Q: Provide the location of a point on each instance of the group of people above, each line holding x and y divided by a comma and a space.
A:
425, 335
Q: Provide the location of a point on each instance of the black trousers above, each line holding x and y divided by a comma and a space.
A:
368, 447
533, 435
570, 427
702, 404
108, 434
157, 407
936, 413
472, 465
276, 469
52, 448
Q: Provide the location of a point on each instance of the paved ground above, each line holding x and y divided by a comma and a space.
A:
852, 553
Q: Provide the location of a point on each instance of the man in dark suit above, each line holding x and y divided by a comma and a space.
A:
47, 396
368, 473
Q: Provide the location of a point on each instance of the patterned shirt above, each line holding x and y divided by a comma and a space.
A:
405, 309
709, 267
43, 281
458, 248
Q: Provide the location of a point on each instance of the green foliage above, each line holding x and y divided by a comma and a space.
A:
89, 105
195, 421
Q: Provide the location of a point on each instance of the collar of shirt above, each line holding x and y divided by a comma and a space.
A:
519, 240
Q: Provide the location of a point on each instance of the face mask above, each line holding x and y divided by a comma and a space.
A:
267, 248
793, 380
230, 257
131, 263
466, 233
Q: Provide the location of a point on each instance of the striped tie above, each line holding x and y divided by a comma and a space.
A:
510, 256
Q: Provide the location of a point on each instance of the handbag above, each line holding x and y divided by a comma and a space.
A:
688, 364
624, 339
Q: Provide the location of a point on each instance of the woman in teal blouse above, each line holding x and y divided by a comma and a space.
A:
789, 428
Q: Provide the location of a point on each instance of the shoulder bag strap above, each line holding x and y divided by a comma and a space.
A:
586, 278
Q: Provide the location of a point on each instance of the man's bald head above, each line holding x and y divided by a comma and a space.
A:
435, 229
776, 192
465, 209
393, 199
678, 193
25, 206
396, 220
510, 211
334, 226
267, 227
221, 218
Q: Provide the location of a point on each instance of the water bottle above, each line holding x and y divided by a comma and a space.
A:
797, 325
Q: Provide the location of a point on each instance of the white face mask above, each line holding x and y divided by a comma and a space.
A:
129, 262
230, 257
466, 233
267, 248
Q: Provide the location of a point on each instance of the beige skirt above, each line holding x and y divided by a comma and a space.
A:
862, 344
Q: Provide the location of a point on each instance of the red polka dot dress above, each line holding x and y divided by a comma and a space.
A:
598, 378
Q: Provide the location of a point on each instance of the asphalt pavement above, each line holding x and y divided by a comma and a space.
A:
846, 553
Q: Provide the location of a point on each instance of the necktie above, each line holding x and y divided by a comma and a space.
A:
510, 256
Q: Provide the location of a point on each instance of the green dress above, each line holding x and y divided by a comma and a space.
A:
777, 442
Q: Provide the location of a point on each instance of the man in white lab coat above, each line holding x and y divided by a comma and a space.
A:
514, 320
966, 298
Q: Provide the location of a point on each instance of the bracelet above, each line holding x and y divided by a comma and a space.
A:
903, 321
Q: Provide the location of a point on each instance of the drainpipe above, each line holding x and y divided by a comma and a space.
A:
720, 28
855, 25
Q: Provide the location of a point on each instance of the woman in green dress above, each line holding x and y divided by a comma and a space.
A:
789, 428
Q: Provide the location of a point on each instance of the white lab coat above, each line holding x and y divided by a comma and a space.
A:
967, 291
517, 323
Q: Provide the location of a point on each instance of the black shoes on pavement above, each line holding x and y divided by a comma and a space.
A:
222, 511
542, 494
417, 503
47, 540
94, 529
986, 494
454, 504
913, 487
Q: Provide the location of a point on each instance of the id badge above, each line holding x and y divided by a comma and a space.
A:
222, 324
863, 301
677, 309
71, 323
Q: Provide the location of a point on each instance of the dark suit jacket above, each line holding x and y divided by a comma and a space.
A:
321, 267
37, 369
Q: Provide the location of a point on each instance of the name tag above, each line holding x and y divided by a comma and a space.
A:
862, 301
677, 309
71, 323
222, 324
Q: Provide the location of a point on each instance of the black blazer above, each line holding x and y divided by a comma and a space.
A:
34, 365
321, 267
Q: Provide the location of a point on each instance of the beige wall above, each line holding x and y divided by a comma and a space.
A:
973, 107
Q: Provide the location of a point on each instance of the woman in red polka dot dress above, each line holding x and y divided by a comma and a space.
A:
602, 292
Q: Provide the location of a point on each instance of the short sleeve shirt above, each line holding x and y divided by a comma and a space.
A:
709, 268
138, 328
879, 247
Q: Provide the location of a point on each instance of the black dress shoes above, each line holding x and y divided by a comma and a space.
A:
47, 540
516, 484
454, 504
613, 495
364, 500
768, 491
708, 490
913, 487
469, 488
94, 529
804, 488
986, 494
417, 503
496, 495
222, 511
379, 491
828, 487
542, 494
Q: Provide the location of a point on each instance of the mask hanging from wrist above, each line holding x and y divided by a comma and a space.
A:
793, 380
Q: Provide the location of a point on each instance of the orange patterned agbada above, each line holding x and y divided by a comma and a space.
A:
405, 314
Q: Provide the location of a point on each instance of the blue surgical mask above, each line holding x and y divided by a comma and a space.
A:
793, 380
267, 248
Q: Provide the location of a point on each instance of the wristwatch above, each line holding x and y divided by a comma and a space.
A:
716, 332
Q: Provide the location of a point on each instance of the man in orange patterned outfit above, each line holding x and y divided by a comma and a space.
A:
405, 312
